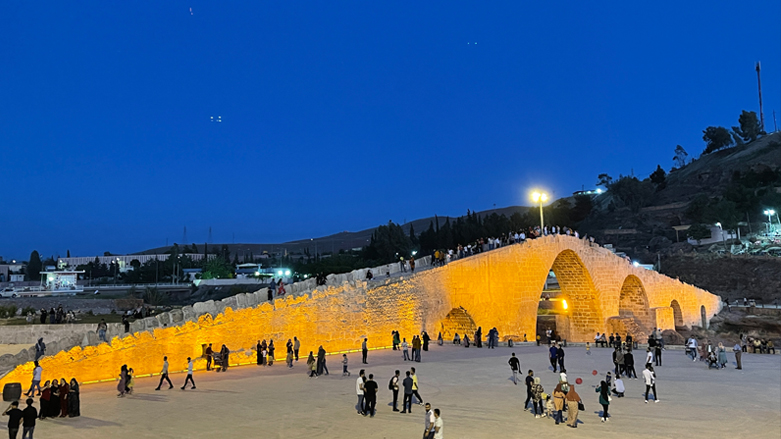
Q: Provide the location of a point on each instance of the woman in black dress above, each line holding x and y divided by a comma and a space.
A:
54, 401
74, 405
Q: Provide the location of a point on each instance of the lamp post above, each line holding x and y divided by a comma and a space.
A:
769, 213
540, 197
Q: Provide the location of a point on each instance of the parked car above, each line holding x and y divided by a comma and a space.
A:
8, 292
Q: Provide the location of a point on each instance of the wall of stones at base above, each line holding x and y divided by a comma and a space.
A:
338, 318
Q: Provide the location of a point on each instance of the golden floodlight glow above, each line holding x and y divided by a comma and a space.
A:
564, 303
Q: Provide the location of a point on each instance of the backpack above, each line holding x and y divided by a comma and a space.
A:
390, 384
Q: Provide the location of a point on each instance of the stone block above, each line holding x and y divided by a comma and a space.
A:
188, 314
177, 316
207, 307
137, 326
163, 319
151, 323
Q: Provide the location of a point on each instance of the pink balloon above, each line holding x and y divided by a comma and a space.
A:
578, 381
594, 372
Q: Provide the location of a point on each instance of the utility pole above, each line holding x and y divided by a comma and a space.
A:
759, 86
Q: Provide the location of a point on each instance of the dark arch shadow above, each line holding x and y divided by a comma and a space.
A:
677, 314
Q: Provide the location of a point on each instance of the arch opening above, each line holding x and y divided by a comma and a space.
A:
633, 310
457, 321
677, 314
582, 317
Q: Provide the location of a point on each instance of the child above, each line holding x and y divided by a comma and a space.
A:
608, 378
538, 339
264, 353
549, 407
344, 365
588, 349
130, 381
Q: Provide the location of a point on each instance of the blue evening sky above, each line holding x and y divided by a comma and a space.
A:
344, 115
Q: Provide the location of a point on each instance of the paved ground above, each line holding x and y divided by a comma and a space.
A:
472, 387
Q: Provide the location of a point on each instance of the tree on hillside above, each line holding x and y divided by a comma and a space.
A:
748, 128
217, 268
699, 232
680, 156
583, 207
716, 138
632, 192
388, 241
658, 177
604, 180
34, 266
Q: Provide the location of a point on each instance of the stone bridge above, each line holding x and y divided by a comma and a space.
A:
500, 288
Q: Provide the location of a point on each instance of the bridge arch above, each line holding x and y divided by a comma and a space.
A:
457, 321
633, 308
583, 311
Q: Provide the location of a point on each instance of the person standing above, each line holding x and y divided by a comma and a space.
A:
365, 350
692, 347
560, 357
649, 376
29, 415
416, 348
311, 363
370, 391
515, 366
296, 346
15, 417
396, 341
604, 398
426, 339
629, 364
126, 323
321, 358
439, 425
258, 354
738, 354
164, 375
658, 354
537, 390
208, 353
479, 337
359, 391
394, 387
102, 328
74, 402
529, 392
573, 403
406, 404
40, 349
649, 357
121, 386
405, 350
289, 353
558, 402
269, 356
428, 432
189, 374
36, 382
415, 386
552, 354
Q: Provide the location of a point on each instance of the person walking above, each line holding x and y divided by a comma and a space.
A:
359, 390
649, 357
722, 356
189, 375
552, 354
311, 363
296, 346
121, 385
604, 398
40, 349
692, 347
416, 349
515, 366
164, 375
393, 386
15, 417
364, 350
405, 350
649, 376
439, 425
415, 386
738, 354
529, 390
29, 415
36, 382
321, 368
406, 404
370, 388
558, 402
573, 405
428, 432
345, 372
289, 354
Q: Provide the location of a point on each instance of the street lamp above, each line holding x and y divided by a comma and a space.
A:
769, 213
540, 197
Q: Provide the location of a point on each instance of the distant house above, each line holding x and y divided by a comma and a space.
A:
717, 234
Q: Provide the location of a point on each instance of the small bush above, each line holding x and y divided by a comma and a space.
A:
28, 309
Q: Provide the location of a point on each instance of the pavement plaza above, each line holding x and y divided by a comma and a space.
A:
472, 387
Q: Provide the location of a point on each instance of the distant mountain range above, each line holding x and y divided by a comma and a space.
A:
331, 243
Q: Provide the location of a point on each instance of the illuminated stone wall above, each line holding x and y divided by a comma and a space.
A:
499, 288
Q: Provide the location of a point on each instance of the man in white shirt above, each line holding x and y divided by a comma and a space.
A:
36, 381
405, 349
649, 356
619, 389
439, 425
164, 375
189, 374
428, 433
359, 391
692, 345
650, 382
